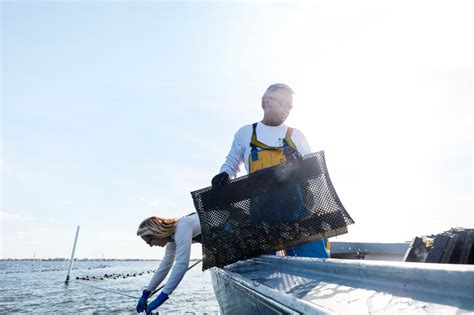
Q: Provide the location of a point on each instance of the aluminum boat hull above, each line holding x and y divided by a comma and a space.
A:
296, 285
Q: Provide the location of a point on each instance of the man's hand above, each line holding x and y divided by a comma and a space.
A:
220, 179
162, 297
141, 306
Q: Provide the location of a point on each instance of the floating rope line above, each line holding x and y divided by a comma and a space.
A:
130, 296
47, 270
108, 290
114, 276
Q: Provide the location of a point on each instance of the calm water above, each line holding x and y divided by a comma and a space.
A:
38, 287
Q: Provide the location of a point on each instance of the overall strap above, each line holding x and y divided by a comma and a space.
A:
288, 140
255, 143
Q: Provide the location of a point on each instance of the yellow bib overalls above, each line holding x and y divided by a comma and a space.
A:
263, 156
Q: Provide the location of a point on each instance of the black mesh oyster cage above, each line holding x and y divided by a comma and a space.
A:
273, 209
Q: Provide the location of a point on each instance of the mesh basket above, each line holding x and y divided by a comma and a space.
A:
273, 209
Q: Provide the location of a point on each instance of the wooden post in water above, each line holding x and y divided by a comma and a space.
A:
72, 255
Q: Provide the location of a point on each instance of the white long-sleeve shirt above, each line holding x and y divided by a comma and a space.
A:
178, 251
270, 135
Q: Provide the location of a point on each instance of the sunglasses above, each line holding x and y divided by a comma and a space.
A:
285, 105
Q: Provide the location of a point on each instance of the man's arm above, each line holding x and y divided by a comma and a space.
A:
235, 157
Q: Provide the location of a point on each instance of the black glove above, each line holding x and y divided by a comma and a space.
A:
220, 179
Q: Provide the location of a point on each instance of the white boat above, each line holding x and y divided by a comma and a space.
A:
297, 285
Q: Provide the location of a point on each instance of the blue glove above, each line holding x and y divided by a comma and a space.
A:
141, 306
162, 297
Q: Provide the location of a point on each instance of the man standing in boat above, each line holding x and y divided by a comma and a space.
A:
267, 143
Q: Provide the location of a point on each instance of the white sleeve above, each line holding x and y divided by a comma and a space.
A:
300, 141
183, 238
164, 267
235, 157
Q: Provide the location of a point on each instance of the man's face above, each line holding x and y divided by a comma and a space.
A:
278, 106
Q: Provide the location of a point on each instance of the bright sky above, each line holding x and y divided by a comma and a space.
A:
115, 111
